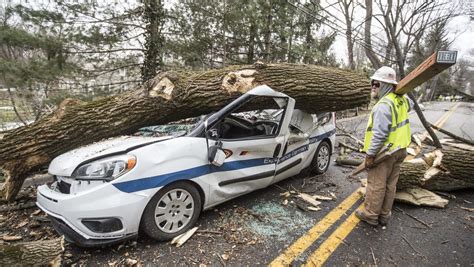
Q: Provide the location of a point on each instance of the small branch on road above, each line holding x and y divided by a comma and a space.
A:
373, 256
419, 253
209, 232
413, 217
221, 260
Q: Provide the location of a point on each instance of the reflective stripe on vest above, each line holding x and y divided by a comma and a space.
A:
399, 132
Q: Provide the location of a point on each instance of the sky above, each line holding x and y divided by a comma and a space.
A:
460, 32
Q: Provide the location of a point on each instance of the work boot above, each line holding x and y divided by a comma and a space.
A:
359, 214
383, 220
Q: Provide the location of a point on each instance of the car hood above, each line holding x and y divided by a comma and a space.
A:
65, 164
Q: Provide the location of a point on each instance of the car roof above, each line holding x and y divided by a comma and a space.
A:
265, 90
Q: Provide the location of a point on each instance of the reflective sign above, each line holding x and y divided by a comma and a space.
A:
446, 57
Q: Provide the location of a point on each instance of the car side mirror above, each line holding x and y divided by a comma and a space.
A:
216, 155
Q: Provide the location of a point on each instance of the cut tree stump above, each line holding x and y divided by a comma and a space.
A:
42, 252
170, 96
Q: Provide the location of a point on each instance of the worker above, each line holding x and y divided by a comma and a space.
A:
388, 126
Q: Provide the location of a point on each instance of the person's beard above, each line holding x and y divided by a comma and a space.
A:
374, 94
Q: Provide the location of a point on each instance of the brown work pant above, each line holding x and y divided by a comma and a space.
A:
382, 185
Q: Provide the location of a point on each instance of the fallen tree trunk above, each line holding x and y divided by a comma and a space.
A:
170, 96
448, 169
42, 252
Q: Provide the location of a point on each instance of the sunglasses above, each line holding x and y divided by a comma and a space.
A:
376, 84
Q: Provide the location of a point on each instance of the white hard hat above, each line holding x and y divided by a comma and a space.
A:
385, 74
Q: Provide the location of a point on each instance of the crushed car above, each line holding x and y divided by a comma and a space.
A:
106, 192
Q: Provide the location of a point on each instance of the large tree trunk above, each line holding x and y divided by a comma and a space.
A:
170, 96
42, 252
445, 170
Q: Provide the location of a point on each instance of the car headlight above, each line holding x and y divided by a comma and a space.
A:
105, 169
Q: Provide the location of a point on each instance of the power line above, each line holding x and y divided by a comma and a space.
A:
338, 31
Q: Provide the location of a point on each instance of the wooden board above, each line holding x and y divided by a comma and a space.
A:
433, 65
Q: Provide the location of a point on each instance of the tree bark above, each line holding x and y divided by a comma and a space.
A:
153, 14
367, 36
450, 170
42, 252
170, 96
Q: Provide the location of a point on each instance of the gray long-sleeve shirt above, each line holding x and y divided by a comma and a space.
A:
382, 122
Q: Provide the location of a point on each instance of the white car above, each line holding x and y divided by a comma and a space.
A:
106, 192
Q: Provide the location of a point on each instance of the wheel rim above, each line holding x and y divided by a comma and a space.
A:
174, 210
323, 157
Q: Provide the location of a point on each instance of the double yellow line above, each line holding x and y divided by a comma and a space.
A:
293, 251
322, 253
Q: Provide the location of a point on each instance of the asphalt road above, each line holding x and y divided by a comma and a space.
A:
257, 228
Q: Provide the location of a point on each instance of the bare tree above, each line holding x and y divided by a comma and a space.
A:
347, 8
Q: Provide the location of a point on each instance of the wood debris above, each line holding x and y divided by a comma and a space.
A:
181, 239
421, 197
319, 197
131, 262
225, 257
468, 209
311, 208
309, 199
12, 237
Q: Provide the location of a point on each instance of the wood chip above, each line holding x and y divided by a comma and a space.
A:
285, 202
319, 197
411, 151
468, 209
285, 194
36, 212
311, 208
131, 262
309, 199
21, 224
184, 237
225, 257
12, 237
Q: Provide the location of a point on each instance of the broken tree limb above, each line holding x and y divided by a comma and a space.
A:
342, 144
425, 123
35, 253
449, 169
459, 138
359, 142
170, 96
343, 160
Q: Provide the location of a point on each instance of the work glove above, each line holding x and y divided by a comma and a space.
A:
369, 161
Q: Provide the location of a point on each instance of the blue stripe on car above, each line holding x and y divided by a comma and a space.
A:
164, 179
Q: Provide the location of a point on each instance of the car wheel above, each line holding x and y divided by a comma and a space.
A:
172, 211
321, 159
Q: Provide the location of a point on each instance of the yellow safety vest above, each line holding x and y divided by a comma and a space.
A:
399, 135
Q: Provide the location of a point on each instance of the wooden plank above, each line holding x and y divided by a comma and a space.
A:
381, 156
433, 65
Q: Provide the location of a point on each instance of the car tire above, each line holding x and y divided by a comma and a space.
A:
172, 211
321, 158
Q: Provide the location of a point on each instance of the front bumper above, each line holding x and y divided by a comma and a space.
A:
72, 236
105, 201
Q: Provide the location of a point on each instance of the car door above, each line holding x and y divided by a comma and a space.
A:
250, 160
296, 148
